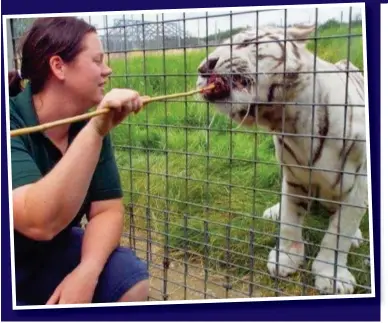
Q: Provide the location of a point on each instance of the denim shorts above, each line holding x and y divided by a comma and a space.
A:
35, 284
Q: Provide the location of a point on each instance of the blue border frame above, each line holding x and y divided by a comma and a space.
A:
367, 309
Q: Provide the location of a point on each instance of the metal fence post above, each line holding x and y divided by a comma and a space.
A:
10, 51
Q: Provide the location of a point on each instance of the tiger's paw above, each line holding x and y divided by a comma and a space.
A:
324, 279
272, 213
289, 260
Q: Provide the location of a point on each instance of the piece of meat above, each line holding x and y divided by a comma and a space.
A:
221, 89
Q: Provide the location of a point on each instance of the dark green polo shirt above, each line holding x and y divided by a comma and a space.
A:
34, 155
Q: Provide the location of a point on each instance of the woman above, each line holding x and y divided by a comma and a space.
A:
68, 171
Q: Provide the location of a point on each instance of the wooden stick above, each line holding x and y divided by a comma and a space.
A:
45, 126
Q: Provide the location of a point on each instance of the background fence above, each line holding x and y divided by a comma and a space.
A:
195, 188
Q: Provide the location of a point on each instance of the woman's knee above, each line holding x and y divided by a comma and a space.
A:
137, 293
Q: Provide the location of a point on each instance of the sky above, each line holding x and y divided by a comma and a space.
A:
197, 27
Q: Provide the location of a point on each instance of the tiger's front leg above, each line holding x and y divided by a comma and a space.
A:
331, 266
290, 254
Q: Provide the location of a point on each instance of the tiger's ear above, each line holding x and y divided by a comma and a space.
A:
300, 33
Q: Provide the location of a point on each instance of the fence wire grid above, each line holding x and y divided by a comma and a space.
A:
196, 185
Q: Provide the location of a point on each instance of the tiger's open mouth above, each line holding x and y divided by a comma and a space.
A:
224, 85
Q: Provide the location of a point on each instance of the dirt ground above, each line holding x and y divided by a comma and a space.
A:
180, 280
173, 283
189, 281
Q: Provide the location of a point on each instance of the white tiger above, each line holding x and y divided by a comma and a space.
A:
265, 53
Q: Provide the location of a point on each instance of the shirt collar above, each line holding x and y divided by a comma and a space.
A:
26, 107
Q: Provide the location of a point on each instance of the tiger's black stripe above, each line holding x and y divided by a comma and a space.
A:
295, 50
323, 129
289, 150
299, 201
344, 157
251, 41
233, 60
302, 204
352, 77
270, 94
298, 186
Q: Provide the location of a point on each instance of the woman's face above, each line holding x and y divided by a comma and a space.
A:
85, 76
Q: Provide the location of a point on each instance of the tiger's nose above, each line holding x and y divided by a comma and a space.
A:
208, 66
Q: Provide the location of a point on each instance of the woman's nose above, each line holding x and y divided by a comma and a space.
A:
107, 70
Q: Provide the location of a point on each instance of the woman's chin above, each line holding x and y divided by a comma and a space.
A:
99, 96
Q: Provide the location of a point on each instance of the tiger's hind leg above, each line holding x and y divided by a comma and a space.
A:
272, 213
290, 254
344, 227
357, 238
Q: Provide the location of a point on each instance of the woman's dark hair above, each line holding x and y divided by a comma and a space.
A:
47, 37
15, 83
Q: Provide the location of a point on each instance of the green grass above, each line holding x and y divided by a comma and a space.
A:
214, 183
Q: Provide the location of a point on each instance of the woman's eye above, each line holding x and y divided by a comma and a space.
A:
99, 60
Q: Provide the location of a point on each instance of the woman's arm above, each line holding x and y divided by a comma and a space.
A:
102, 234
44, 208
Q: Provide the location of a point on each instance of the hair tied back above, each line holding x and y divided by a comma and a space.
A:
15, 82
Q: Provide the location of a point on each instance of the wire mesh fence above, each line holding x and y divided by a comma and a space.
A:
203, 193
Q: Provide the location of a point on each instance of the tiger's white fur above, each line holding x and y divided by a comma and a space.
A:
266, 50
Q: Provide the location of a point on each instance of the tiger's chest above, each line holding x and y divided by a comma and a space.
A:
295, 157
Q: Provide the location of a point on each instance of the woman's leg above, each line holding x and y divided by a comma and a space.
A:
124, 277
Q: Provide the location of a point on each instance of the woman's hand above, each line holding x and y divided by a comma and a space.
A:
121, 103
78, 287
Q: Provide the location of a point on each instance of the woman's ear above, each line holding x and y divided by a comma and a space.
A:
57, 67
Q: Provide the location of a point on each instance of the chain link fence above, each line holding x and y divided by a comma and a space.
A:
196, 186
